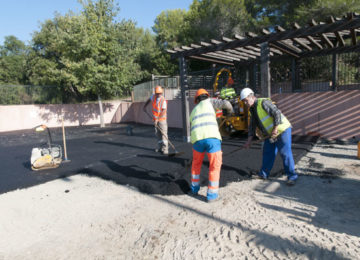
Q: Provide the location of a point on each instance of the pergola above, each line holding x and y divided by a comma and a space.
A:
337, 35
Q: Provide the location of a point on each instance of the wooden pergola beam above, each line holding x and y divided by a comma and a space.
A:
297, 40
283, 45
350, 16
322, 35
310, 38
325, 31
243, 54
339, 37
220, 61
278, 46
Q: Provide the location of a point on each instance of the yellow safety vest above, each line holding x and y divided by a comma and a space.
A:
227, 93
267, 120
203, 122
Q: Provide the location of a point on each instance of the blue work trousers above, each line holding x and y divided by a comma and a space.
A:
283, 145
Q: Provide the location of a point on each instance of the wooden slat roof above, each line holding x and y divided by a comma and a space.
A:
313, 40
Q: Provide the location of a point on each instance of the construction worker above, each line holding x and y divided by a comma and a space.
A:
228, 92
275, 128
205, 137
159, 109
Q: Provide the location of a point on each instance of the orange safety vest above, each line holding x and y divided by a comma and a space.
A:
157, 105
218, 112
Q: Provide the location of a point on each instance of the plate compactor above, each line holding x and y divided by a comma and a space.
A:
45, 157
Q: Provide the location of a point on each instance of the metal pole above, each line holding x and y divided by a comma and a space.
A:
64, 140
265, 70
334, 71
184, 99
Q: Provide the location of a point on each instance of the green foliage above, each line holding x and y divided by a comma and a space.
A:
320, 10
90, 54
170, 28
268, 13
23, 94
12, 61
213, 19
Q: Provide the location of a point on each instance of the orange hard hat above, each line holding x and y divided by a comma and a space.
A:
200, 92
230, 81
158, 90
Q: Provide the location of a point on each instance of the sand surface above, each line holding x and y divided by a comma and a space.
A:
82, 217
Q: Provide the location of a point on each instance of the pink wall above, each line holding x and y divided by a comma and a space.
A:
17, 117
334, 115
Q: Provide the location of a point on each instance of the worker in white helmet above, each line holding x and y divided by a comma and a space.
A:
275, 128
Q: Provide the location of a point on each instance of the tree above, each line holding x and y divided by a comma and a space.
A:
89, 54
269, 13
320, 10
214, 19
12, 61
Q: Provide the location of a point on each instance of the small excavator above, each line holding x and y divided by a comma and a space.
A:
237, 122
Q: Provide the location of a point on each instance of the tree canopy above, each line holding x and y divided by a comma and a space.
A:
95, 52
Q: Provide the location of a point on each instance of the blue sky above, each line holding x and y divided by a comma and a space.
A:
22, 17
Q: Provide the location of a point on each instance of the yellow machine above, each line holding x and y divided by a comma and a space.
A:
45, 157
237, 122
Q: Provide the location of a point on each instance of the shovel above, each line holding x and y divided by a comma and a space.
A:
175, 153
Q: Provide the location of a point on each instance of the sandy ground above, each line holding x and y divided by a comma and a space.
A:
83, 217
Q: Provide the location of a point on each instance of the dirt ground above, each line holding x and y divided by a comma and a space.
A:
83, 217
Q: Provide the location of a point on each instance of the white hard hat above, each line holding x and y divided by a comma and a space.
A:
245, 93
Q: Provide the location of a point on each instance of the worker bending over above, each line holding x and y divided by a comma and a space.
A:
205, 137
159, 109
276, 130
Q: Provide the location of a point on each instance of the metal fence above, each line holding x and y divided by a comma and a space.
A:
26, 94
317, 74
143, 91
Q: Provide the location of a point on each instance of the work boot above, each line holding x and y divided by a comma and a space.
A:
213, 200
212, 197
192, 194
260, 176
165, 152
291, 182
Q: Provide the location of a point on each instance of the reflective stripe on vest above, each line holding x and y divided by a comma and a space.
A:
157, 104
267, 121
203, 122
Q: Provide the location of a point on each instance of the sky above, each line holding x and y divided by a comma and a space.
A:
22, 17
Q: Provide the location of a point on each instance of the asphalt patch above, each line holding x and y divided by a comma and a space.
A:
127, 157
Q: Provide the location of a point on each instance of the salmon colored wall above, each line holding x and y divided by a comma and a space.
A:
333, 115
17, 117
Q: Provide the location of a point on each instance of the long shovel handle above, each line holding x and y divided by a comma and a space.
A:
158, 128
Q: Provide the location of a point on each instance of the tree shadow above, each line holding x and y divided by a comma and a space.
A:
81, 113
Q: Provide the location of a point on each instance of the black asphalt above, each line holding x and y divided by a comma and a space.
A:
112, 154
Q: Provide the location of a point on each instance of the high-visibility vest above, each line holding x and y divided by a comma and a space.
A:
267, 121
157, 104
203, 122
227, 93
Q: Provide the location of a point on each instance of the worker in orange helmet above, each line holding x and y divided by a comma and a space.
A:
206, 138
159, 110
